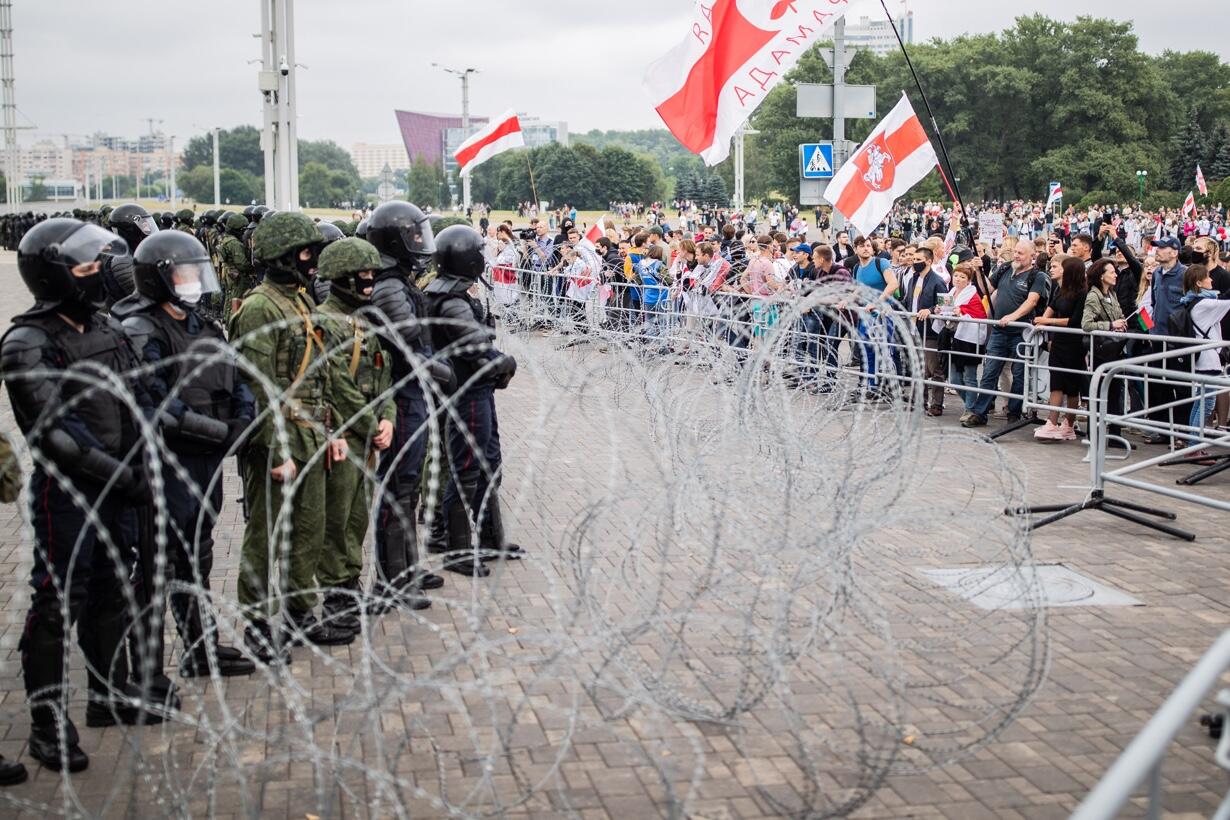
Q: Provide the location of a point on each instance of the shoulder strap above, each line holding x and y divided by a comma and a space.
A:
357, 349
289, 305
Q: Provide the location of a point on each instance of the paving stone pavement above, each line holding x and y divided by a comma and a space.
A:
1110, 668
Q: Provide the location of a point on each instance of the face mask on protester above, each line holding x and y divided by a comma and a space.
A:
919, 267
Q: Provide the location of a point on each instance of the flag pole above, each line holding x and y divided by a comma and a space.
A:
954, 187
529, 163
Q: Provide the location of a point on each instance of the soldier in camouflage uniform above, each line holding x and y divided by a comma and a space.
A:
183, 221
237, 275
273, 330
360, 384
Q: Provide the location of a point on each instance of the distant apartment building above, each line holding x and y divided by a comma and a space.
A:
370, 158
877, 35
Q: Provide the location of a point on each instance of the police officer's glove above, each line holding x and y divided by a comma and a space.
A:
444, 375
237, 431
504, 370
133, 484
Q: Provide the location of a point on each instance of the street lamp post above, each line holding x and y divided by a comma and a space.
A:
1140, 179
464, 74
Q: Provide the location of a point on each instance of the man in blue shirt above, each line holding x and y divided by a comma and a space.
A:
877, 274
1165, 291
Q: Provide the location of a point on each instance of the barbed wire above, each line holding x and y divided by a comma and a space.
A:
724, 583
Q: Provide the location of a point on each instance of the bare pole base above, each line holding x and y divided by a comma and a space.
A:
1097, 500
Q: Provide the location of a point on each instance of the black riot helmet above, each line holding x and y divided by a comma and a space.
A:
330, 232
361, 230
248, 211
133, 223
173, 266
459, 253
259, 212
402, 234
51, 249
166, 220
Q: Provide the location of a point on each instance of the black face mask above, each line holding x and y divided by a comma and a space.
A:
919, 267
306, 267
282, 277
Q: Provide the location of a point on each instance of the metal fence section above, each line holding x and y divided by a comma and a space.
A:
1142, 760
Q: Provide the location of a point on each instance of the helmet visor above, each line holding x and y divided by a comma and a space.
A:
193, 276
88, 243
419, 241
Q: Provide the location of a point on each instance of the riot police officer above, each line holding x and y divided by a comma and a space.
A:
206, 409
461, 333
360, 382
273, 330
133, 225
85, 442
183, 220
402, 234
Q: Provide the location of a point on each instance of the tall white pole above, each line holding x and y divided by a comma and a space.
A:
174, 197
269, 88
217, 173
12, 187
839, 107
465, 130
739, 169
291, 110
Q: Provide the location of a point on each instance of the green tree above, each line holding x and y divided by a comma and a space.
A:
198, 183
715, 191
423, 183
1196, 75
238, 148
1186, 150
239, 187
1214, 166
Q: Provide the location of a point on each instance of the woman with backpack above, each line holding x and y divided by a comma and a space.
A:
1206, 311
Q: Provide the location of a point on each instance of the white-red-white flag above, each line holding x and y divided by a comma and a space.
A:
596, 232
501, 134
734, 53
1200, 183
1189, 204
894, 158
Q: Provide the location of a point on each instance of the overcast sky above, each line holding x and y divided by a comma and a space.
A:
85, 66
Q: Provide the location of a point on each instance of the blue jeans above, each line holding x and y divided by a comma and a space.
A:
1003, 345
808, 348
1205, 398
966, 376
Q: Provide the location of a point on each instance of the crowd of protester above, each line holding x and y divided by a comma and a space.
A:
733, 274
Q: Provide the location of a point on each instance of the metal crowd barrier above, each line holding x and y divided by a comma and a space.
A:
1142, 760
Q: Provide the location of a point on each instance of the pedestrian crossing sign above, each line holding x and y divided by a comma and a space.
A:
816, 160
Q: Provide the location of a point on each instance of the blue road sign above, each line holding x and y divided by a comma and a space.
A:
816, 160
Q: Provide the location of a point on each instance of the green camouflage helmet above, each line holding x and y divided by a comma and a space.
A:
234, 223
184, 215
283, 233
346, 257
344, 226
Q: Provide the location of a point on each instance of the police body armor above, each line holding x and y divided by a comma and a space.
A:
464, 335
403, 307
107, 417
200, 372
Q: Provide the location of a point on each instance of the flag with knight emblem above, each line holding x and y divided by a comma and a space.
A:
891, 161
734, 53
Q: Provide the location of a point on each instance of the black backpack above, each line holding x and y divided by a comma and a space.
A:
1181, 323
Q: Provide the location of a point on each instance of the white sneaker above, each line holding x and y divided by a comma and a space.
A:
1066, 433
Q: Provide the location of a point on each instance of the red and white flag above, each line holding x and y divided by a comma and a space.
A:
596, 232
503, 133
1200, 183
733, 55
1189, 204
894, 158
1056, 195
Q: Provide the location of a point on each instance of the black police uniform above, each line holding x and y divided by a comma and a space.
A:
194, 381
399, 309
464, 336
85, 444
